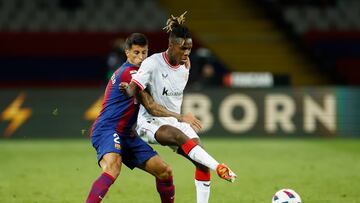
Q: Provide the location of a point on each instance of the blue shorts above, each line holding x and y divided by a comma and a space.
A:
133, 150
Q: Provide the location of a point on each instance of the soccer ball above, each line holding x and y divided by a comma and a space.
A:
286, 196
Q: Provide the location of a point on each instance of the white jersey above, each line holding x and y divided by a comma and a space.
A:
166, 83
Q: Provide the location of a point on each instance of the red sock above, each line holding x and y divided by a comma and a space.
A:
202, 175
166, 190
188, 146
100, 188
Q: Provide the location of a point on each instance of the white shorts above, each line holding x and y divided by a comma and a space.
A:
146, 128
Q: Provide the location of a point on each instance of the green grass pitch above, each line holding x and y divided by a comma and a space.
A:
321, 171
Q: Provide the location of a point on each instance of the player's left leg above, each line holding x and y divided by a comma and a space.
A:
171, 136
222, 170
184, 136
170, 132
190, 146
167, 132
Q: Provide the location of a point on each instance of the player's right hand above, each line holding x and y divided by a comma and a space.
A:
192, 120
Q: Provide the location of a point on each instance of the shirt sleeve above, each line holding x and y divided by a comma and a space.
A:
125, 76
143, 76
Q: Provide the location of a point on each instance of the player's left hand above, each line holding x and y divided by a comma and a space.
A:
193, 121
123, 86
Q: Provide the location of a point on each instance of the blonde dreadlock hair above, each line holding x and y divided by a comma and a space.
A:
174, 21
175, 26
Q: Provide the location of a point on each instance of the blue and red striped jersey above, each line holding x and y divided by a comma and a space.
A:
118, 110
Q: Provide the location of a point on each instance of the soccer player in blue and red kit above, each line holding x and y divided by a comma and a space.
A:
112, 135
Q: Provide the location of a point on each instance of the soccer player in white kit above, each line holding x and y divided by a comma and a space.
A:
165, 76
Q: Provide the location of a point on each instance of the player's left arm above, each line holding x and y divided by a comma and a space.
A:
158, 110
155, 109
129, 89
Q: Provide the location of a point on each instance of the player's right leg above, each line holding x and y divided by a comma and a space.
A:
140, 154
157, 167
107, 145
164, 179
111, 164
202, 179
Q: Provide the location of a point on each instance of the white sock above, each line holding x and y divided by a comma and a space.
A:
199, 155
202, 191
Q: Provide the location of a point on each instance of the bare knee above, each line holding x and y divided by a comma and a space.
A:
165, 173
113, 169
111, 165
